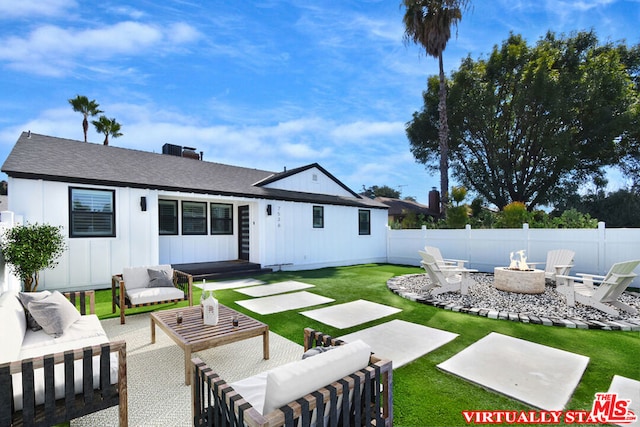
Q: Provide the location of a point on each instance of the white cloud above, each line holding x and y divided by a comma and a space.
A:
362, 130
55, 51
10, 9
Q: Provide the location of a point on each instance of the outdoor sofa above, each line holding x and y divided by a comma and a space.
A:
65, 370
149, 285
347, 385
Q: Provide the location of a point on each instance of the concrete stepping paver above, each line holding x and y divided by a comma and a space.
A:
538, 375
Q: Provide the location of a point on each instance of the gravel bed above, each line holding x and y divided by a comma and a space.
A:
483, 295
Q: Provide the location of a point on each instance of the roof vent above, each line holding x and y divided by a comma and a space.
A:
172, 150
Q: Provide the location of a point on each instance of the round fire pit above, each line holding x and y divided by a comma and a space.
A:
521, 281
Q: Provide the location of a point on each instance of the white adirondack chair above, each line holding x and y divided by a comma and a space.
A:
559, 263
583, 288
442, 262
447, 279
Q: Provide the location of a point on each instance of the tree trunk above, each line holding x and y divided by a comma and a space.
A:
443, 136
85, 127
28, 283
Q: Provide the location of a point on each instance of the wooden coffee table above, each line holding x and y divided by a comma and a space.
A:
193, 335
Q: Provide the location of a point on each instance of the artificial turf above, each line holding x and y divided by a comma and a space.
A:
423, 394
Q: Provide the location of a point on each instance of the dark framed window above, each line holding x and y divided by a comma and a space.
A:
221, 218
364, 222
168, 217
318, 217
91, 212
194, 218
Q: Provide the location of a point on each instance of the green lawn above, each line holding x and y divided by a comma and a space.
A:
424, 395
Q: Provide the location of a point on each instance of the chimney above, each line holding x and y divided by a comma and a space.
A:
190, 152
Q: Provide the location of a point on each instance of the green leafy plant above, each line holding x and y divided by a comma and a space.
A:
30, 248
513, 215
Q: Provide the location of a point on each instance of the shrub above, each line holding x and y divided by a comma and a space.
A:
31, 248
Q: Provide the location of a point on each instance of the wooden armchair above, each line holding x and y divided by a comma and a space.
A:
363, 397
130, 289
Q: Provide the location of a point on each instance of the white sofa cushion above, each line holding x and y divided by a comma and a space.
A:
54, 313
253, 389
84, 332
13, 325
149, 295
272, 389
138, 277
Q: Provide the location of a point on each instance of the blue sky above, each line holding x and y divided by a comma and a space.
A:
267, 85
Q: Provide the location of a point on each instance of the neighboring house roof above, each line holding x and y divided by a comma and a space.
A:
57, 159
401, 207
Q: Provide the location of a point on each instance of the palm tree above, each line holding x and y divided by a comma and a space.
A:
107, 127
81, 104
428, 23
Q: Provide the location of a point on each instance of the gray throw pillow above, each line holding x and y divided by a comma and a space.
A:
159, 279
316, 350
25, 298
54, 313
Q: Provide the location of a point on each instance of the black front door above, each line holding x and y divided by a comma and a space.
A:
243, 232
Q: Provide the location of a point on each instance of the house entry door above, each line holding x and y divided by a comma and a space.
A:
243, 232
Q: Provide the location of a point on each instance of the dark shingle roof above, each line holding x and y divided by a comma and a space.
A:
57, 159
400, 207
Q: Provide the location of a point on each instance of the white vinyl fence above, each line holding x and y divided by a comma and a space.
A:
596, 249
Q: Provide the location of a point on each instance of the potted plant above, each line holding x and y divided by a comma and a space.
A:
30, 248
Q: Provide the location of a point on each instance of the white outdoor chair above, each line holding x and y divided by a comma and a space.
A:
442, 262
559, 263
583, 290
447, 279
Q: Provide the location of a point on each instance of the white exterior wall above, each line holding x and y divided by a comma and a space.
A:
284, 239
290, 241
310, 181
205, 248
89, 262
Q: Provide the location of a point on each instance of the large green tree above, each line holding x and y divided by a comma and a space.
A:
428, 23
384, 191
108, 127
528, 124
81, 104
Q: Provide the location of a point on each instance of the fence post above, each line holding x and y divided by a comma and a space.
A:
602, 247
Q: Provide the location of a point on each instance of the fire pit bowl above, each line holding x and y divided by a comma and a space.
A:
521, 281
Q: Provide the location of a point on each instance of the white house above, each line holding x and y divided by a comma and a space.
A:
120, 207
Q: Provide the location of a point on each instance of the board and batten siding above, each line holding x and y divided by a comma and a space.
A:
291, 242
91, 261
285, 239
313, 181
